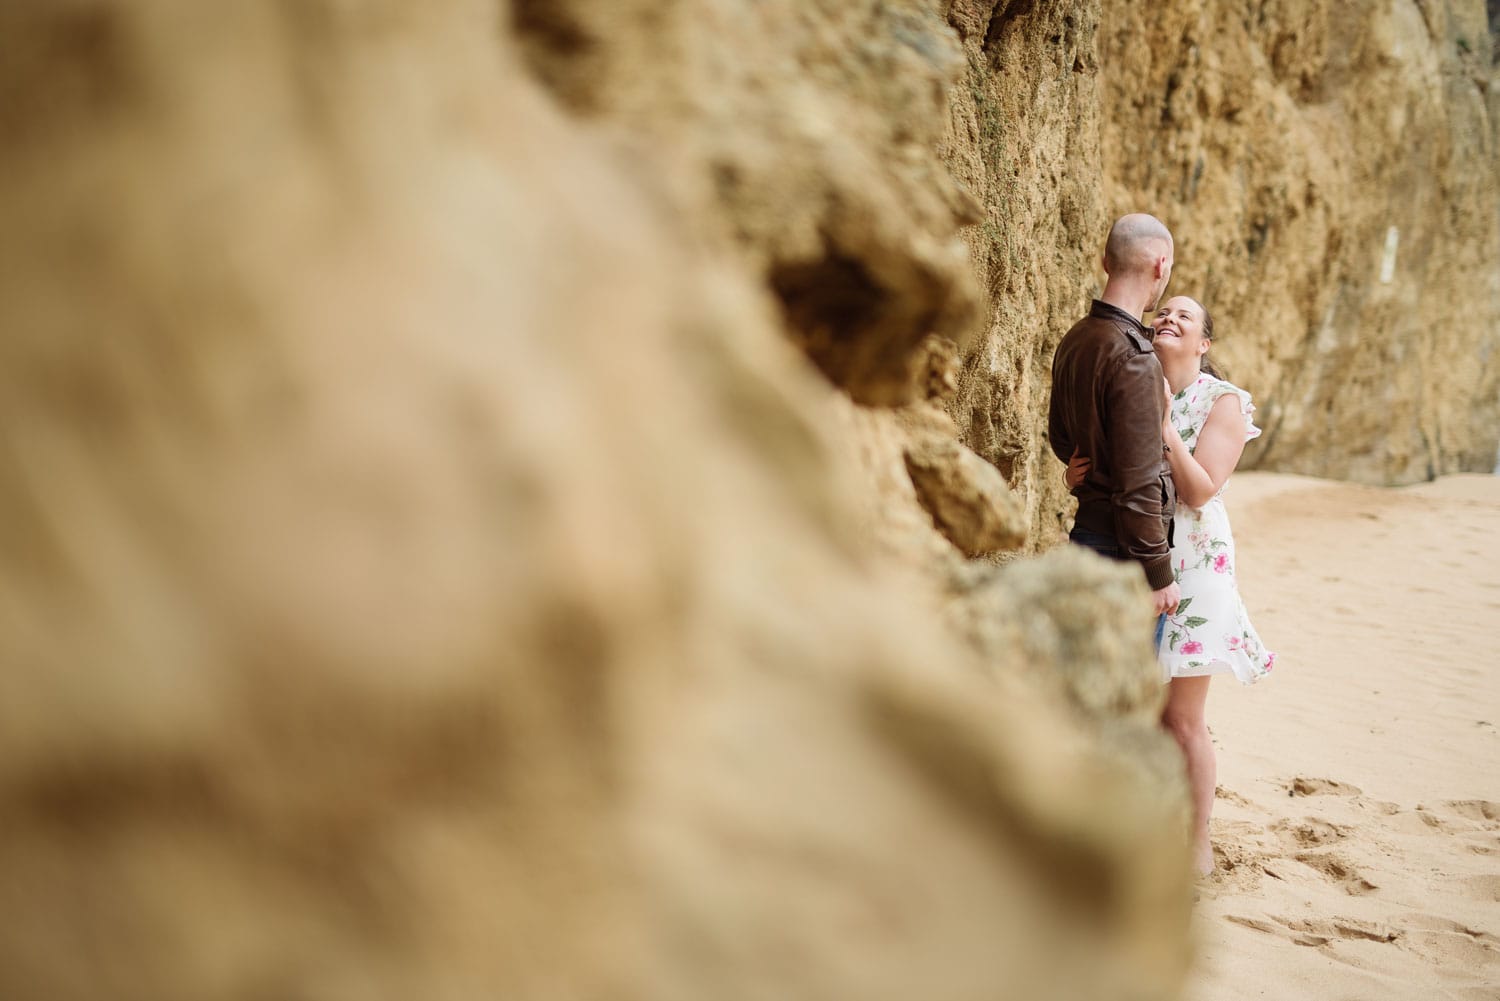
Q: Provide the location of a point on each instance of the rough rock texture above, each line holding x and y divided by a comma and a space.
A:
1042, 610
967, 497
970, 502
1024, 137
1330, 171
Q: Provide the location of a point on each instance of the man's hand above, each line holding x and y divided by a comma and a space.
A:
1167, 598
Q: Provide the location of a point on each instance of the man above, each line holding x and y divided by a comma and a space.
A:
1108, 404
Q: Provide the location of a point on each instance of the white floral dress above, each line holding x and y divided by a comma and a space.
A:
1209, 633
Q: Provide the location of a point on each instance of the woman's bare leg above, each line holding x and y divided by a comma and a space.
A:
1185, 721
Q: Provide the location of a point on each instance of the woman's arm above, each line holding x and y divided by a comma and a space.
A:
1078, 468
1199, 474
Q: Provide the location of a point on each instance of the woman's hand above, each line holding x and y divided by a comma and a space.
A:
1078, 468
1166, 421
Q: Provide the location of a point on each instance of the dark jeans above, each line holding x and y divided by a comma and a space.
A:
1108, 546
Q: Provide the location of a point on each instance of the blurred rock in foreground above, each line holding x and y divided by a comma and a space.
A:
431, 569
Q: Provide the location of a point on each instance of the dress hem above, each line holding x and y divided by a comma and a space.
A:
1180, 670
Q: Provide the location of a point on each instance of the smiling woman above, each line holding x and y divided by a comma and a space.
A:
1207, 426
1187, 314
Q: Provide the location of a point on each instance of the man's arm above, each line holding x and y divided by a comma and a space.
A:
1057, 428
1135, 410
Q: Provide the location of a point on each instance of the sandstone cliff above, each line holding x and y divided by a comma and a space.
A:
1331, 173
507, 499
1331, 177
433, 568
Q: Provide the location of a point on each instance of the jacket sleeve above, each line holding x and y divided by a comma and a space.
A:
1057, 428
1134, 409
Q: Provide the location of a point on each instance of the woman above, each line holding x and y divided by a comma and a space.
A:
1208, 423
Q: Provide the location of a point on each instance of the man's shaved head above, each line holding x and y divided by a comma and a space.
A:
1135, 243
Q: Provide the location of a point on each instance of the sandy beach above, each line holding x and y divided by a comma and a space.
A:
1357, 825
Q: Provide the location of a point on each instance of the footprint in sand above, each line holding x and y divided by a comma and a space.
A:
1337, 870
1341, 928
1480, 810
1302, 786
1470, 819
1378, 806
1483, 887
1309, 832
1315, 866
1258, 924
1430, 822
1317, 931
1305, 786
1457, 950
1230, 796
1417, 921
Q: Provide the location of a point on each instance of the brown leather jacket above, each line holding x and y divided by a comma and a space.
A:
1108, 403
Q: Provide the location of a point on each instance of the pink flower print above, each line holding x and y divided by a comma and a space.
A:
1193, 647
1234, 642
1221, 563
1270, 661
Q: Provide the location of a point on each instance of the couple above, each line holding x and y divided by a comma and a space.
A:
1147, 466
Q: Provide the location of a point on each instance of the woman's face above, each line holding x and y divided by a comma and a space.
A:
1179, 328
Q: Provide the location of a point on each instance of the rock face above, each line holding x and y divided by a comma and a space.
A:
491, 490
812, 130
432, 570
1330, 171
966, 496
1024, 136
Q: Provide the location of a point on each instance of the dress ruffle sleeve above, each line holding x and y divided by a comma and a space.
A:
1220, 388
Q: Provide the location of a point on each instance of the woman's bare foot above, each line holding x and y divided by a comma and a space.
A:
1203, 858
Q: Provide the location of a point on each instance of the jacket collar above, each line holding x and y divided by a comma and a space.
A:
1129, 324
